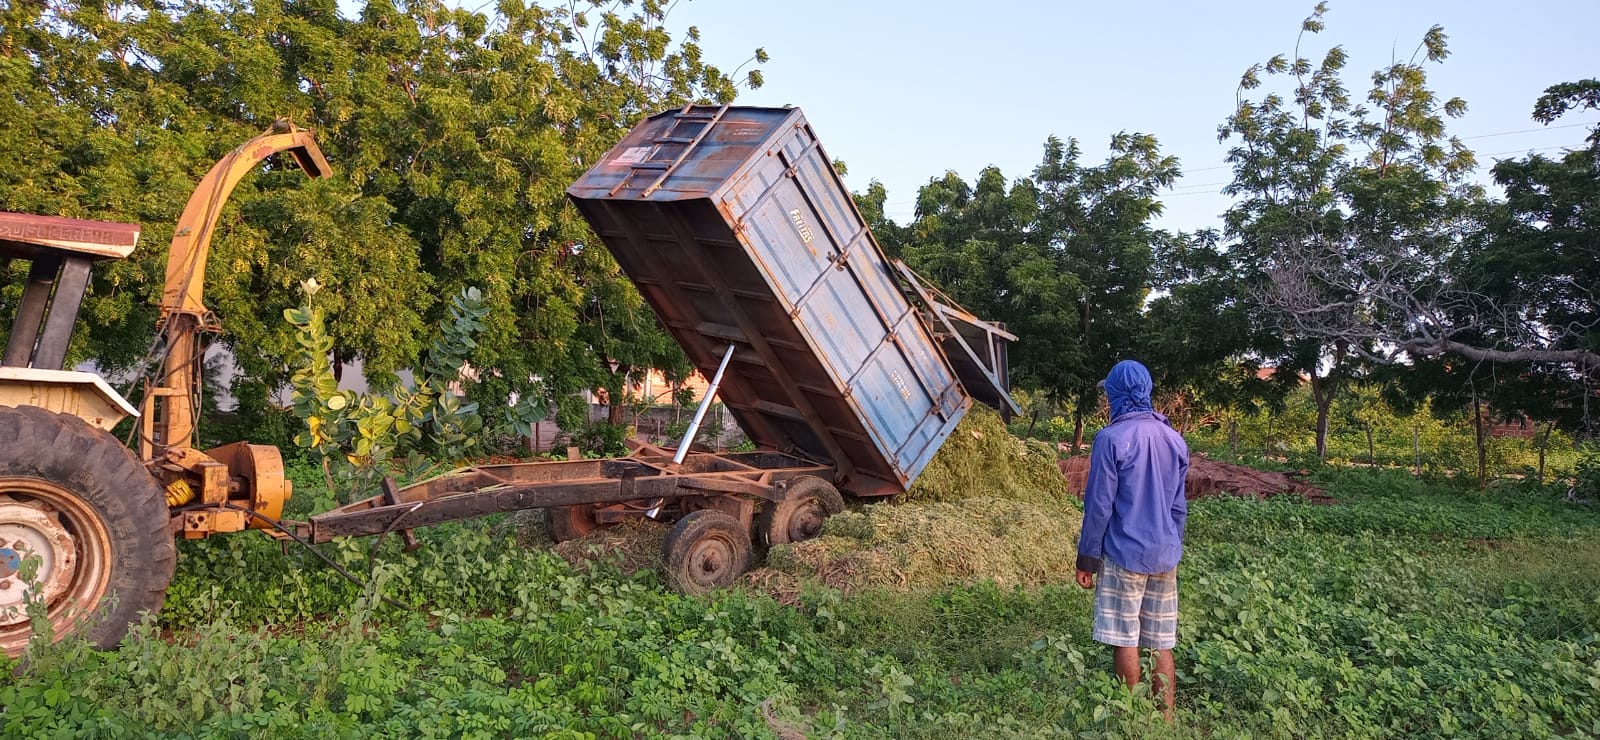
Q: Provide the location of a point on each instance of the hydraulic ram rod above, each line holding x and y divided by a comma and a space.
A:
705, 403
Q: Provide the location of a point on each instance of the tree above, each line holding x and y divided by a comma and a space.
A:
977, 243
1526, 281
1562, 97
1064, 258
1095, 222
453, 135
1198, 334
1506, 282
890, 235
1364, 408
968, 238
1346, 211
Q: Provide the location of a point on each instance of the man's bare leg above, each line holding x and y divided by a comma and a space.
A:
1165, 681
1127, 665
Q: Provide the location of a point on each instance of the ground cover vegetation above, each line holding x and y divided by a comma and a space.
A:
1409, 608
1366, 314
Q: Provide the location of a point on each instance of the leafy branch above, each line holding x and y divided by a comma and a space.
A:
358, 436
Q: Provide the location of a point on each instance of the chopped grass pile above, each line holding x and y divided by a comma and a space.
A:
929, 545
988, 506
982, 459
631, 546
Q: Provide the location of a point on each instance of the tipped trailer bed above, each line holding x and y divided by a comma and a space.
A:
843, 367
737, 230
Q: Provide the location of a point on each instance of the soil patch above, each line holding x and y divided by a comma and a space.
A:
1209, 477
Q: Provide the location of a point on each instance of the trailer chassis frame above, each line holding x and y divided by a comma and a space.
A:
626, 487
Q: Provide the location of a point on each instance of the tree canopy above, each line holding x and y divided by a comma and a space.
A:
1356, 248
453, 135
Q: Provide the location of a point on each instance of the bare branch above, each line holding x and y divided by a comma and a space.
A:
1371, 295
1583, 359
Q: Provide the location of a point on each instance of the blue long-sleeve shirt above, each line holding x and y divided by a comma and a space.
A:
1133, 504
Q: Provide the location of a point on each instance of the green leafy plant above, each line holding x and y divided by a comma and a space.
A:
357, 436
1297, 620
1586, 483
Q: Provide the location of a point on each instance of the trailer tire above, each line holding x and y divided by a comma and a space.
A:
807, 503
97, 522
566, 523
706, 550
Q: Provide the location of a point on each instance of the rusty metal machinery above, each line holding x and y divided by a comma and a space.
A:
87, 526
200, 483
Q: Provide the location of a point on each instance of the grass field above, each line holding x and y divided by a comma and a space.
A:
1407, 610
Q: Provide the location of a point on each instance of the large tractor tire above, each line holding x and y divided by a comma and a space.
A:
81, 516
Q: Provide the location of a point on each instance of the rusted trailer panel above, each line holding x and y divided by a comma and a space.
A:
735, 227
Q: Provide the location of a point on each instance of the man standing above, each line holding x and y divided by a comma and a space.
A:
1133, 517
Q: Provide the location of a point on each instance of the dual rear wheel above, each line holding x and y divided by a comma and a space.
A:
709, 549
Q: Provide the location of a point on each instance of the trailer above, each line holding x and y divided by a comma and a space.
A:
844, 368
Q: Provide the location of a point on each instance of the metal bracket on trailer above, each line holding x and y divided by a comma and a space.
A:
975, 348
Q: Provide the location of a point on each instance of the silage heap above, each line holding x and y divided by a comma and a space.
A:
988, 507
982, 459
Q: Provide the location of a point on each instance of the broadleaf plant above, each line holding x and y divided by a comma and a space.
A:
357, 437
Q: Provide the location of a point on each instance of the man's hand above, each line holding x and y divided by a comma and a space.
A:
1085, 579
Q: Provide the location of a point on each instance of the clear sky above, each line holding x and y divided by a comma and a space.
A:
904, 90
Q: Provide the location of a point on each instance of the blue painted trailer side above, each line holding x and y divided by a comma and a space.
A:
736, 229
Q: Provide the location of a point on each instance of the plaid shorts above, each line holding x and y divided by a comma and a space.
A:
1134, 609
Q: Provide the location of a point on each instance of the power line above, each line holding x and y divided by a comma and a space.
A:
1180, 193
1181, 188
1530, 130
1527, 151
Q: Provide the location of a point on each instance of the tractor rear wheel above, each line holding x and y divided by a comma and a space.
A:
83, 531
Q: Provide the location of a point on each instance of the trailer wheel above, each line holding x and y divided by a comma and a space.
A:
799, 516
570, 522
79, 511
706, 550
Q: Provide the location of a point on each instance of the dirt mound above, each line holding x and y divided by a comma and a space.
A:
1208, 477
982, 459
916, 546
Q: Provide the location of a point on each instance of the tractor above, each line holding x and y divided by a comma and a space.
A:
87, 524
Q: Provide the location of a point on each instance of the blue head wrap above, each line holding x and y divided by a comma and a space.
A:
1128, 388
